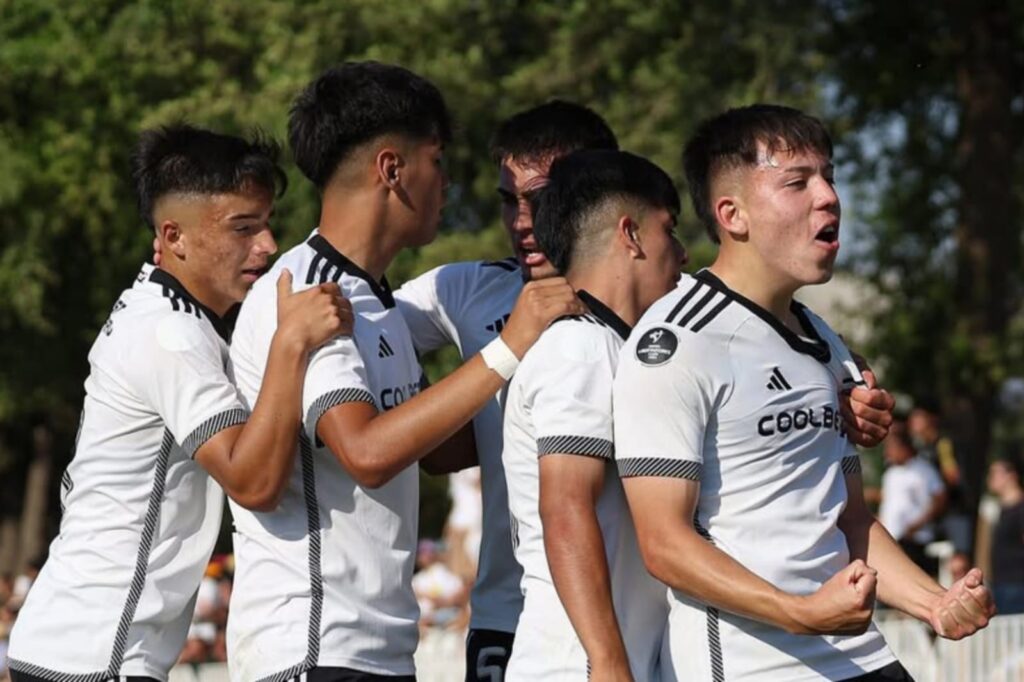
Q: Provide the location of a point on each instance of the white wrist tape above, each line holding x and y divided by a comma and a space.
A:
499, 357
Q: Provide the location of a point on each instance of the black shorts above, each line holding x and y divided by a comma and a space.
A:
894, 672
25, 677
487, 654
349, 675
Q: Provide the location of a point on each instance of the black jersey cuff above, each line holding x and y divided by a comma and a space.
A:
211, 427
333, 399
575, 445
661, 467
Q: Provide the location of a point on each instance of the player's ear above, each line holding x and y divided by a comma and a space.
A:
627, 234
388, 163
171, 237
731, 217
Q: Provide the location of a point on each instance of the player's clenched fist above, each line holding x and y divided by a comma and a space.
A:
965, 608
313, 316
539, 304
842, 606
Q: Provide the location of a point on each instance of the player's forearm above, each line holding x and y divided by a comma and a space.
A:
901, 583
455, 454
262, 458
576, 556
385, 445
685, 561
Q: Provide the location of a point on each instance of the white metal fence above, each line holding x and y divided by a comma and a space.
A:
996, 654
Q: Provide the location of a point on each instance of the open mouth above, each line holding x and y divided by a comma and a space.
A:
828, 234
253, 273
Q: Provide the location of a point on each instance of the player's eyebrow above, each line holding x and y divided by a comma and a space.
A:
247, 216
810, 170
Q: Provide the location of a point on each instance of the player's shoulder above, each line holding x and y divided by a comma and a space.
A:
477, 272
583, 340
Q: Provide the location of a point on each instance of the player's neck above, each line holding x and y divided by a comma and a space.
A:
612, 289
355, 225
752, 280
198, 287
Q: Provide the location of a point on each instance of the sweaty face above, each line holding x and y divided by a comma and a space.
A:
424, 182
518, 185
665, 255
229, 245
793, 213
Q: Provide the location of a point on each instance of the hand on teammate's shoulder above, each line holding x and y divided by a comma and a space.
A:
313, 316
539, 304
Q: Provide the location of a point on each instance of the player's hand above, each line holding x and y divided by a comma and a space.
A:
313, 316
867, 412
965, 608
842, 606
158, 252
539, 304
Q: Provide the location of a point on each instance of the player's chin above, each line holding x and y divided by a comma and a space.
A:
538, 272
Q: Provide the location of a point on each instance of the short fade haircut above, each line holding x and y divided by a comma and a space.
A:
550, 130
351, 104
181, 158
581, 185
730, 140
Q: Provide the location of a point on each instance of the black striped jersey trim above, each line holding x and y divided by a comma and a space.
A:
333, 399
661, 467
149, 528
575, 445
700, 314
810, 344
509, 264
328, 265
211, 427
605, 315
850, 465
182, 301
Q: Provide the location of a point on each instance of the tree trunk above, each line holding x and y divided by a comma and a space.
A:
37, 489
988, 234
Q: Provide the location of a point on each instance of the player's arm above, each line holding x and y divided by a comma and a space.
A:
963, 609
374, 447
569, 488
253, 462
676, 554
455, 454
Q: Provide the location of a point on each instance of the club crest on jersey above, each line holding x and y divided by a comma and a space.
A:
656, 346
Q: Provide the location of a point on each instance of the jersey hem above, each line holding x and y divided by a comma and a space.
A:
485, 623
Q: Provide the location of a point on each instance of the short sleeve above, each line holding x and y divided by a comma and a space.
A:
933, 480
335, 375
571, 395
183, 377
663, 398
425, 306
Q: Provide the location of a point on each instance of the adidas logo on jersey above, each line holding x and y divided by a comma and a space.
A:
384, 349
498, 324
777, 382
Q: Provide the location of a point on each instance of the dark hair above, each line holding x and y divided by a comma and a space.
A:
583, 181
356, 102
183, 158
1010, 463
730, 140
552, 129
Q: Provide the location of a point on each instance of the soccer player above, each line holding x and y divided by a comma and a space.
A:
323, 584
468, 304
141, 515
591, 611
745, 490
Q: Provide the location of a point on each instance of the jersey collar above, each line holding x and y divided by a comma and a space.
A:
605, 314
222, 325
381, 289
812, 344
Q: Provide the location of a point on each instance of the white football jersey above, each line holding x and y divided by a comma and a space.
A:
468, 304
325, 579
560, 401
714, 389
141, 517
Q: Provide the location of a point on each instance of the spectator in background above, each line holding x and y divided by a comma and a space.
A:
913, 497
464, 526
442, 595
936, 448
1008, 537
208, 617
